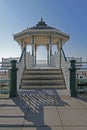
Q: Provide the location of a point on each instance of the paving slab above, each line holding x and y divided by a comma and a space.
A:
42, 128
73, 116
51, 117
34, 117
71, 103
75, 128
83, 101
11, 112
11, 121
10, 128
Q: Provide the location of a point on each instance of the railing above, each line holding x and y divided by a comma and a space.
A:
82, 78
6, 62
62, 51
55, 60
22, 54
4, 78
65, 65
74, 58
21, 65
4, 86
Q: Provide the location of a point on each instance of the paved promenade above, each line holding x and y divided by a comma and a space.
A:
43, 110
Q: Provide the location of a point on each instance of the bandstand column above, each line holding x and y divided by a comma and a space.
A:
33, 47
48, 54
60, 46
50, 48
35, 53
22, 44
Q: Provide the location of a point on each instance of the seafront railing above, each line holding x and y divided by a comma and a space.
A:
4, 77
81, 74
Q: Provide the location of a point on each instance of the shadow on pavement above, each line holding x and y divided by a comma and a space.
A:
32, 103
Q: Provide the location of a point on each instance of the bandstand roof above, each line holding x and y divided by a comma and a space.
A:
41, 33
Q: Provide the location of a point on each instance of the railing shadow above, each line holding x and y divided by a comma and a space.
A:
32, 103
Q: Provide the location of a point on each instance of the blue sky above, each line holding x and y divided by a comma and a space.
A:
69, 16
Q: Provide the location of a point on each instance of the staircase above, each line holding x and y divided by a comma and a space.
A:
42, 78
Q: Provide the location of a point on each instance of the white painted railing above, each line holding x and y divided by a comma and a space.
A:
65, 65
20, 66
29, 60
26, 61
55, 60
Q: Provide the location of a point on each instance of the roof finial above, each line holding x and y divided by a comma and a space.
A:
41, 18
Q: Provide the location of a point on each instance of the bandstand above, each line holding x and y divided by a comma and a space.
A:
41, 35
49, 72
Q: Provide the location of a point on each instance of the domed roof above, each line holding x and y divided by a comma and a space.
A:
41, 29
41, 25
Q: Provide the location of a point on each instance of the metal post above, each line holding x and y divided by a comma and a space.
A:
73, 88
13, 79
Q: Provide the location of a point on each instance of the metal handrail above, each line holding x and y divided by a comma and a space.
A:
24, 50
63, 54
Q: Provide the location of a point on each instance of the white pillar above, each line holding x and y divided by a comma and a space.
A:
48, 54
35, 53
60, 46
50, 46
33, 48
23, 45
32, 45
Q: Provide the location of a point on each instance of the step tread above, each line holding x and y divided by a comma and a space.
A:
42, 73
42, 78
43, 83
50, 87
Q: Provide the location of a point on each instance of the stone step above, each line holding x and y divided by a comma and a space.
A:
47, 69
61, 86
43, 81
42, 73
41, 76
